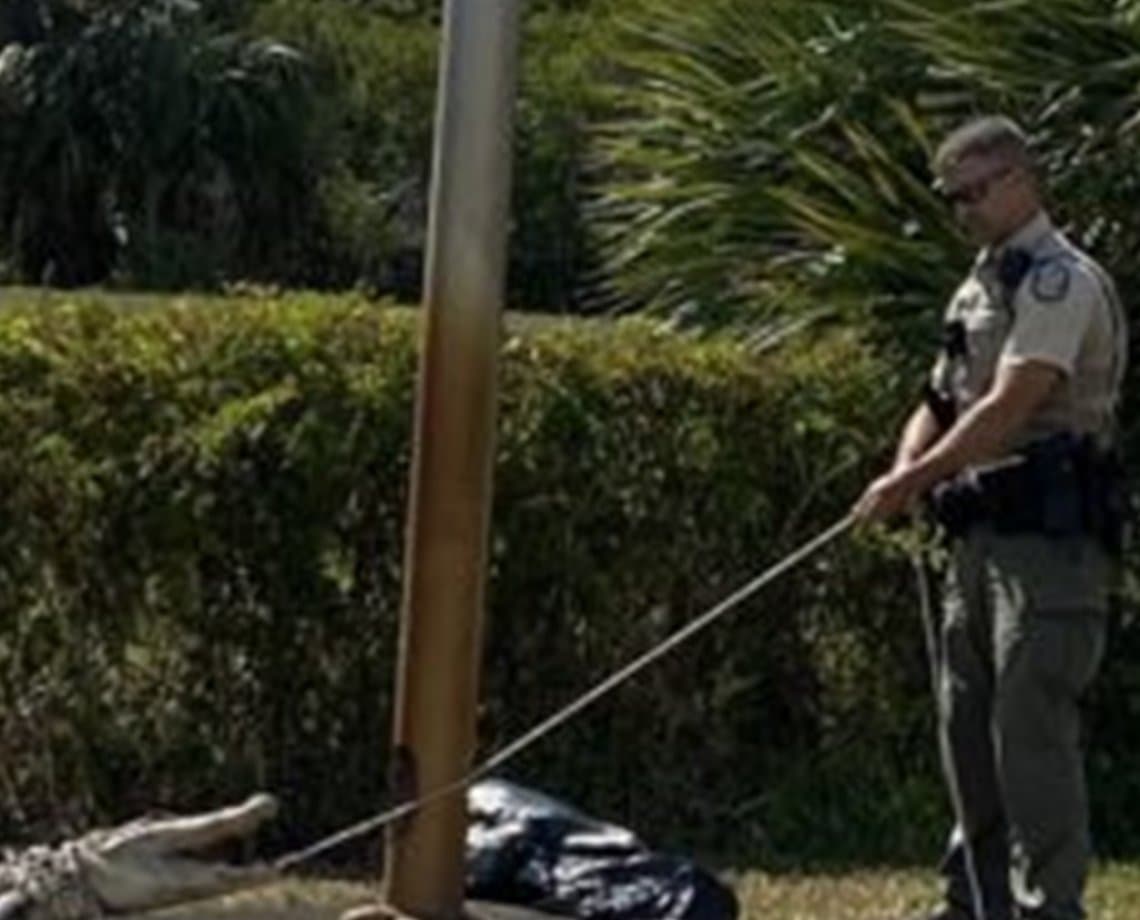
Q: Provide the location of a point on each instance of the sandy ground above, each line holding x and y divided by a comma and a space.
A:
292, 900
886, 894
307, 900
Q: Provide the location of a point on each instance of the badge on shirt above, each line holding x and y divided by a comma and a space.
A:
1051, 281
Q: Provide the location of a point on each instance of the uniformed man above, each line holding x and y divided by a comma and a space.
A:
1013, 440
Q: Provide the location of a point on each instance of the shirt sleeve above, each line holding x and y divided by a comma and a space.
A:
1053, 311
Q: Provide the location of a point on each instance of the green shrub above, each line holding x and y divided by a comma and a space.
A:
201, 521
376, 84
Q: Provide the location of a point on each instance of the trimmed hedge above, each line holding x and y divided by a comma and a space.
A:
201, 521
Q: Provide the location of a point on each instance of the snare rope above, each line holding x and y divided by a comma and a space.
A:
375, 823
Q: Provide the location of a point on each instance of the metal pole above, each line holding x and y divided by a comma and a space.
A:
449, 510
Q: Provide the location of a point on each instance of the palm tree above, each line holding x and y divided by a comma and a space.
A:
142, 132
770, 156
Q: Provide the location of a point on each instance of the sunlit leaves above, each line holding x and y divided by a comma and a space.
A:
763, 145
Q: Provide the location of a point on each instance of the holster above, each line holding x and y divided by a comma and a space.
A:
1060, 486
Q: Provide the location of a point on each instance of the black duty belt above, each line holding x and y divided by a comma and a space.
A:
1060, 486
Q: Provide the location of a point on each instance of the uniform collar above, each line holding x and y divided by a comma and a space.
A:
1028, 236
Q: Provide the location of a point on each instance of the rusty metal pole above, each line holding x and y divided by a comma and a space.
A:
449, 509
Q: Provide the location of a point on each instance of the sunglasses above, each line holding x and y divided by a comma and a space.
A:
976, 191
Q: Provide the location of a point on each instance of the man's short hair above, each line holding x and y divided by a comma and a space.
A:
991, 134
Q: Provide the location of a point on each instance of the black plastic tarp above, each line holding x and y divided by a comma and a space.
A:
527, 848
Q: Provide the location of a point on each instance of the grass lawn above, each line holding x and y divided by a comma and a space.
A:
1114, 894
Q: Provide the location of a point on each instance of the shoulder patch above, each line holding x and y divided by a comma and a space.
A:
1051, 280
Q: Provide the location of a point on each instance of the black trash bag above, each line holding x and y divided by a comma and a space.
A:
527, 848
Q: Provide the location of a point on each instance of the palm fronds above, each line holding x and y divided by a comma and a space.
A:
767, 145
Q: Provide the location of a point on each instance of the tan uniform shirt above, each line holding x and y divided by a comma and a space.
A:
1038, 297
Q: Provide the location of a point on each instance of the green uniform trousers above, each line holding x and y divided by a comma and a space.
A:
1022, 636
